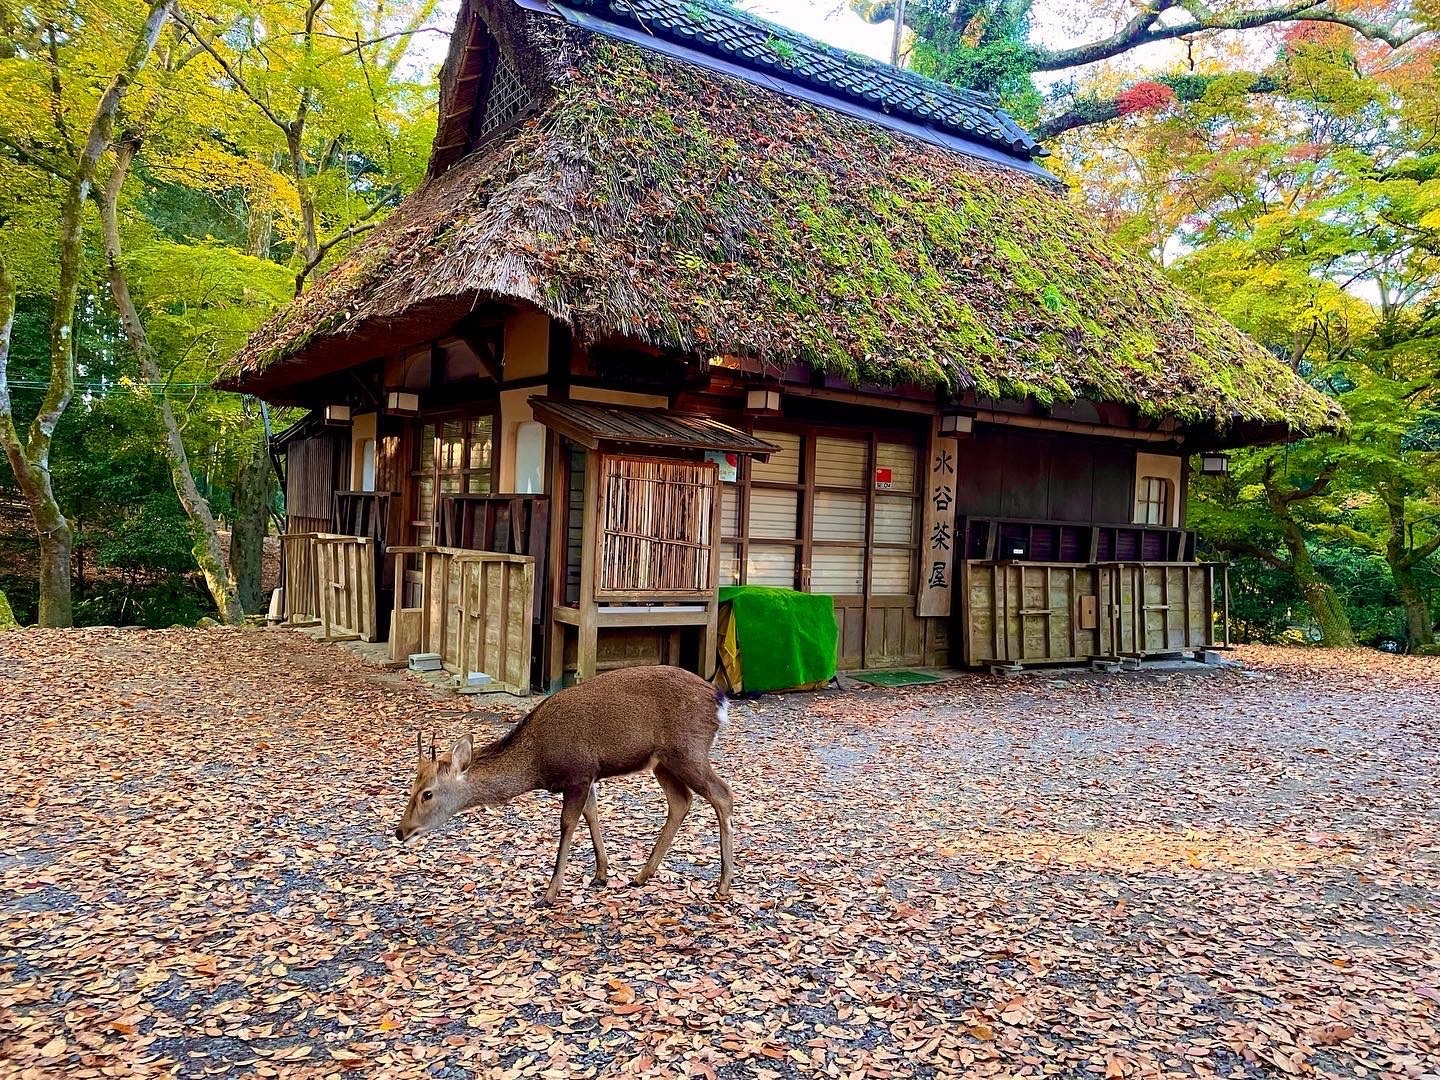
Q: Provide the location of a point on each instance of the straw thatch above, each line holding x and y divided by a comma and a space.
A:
652, 201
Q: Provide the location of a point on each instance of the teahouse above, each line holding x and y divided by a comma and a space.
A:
690, 300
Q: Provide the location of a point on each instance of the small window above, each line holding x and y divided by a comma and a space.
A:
1153, 500
500, 98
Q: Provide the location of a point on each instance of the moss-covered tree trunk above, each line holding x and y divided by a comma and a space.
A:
205, 535
1403, 558
254, 495
1324, 602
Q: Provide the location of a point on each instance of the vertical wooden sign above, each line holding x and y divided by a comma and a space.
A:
937, 537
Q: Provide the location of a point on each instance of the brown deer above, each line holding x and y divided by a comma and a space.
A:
659, 718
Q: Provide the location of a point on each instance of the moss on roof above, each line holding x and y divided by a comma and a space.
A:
695, 212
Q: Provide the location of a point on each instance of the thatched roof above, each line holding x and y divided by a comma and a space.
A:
654, 200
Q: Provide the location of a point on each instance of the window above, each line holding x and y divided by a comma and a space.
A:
1152, 500
824, 513
367, 465
451, 457
500, 99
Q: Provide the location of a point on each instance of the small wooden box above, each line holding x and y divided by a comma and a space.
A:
1089, 612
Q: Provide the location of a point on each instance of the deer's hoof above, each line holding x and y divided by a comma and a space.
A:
545, 901
600, 881
636, 882
722, 893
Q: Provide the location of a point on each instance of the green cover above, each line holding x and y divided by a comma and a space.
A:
786, 638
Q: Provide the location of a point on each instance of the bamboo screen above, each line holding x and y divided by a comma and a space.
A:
655, 528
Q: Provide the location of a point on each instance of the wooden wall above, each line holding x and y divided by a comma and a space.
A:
1036, 476
311, 473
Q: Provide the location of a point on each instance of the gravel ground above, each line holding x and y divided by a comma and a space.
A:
1228, 872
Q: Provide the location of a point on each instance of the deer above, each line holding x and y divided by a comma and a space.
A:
658, 719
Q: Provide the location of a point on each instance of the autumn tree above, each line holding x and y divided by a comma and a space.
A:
991, 45
74, 166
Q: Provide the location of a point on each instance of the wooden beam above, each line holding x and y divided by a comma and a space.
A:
1045, 423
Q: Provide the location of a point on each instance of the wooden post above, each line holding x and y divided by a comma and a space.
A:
587, 645
710, 636
1225, 576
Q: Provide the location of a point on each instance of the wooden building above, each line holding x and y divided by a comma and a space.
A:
690, 300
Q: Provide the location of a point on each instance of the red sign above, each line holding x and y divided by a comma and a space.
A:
884, 478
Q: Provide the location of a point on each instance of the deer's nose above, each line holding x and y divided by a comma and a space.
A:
400, 835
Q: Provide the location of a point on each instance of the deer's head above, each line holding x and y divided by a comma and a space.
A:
440, 790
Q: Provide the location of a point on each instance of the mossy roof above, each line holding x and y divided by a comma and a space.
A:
654, 201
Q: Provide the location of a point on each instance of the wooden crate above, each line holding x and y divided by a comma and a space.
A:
1024, 612
1165, 607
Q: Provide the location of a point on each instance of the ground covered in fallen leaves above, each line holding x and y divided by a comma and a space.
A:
1218, 873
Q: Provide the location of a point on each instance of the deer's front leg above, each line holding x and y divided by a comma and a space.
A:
592, 818
570, 812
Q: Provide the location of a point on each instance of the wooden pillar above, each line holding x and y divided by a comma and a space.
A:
586, 645
554, 660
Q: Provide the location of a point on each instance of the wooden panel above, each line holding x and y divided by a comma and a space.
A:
1159, 608
837, 516
1113, 483
899, 458
771, 564
841, 462
837, 571
1017, 612
345, 573
1072, 476
1027, 477
935, 587
297, 552
980, 478
310, 477
782, 468
773, 514
894, 636
850, 620
476, 609
654, 530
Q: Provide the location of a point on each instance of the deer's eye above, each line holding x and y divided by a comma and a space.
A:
426, 796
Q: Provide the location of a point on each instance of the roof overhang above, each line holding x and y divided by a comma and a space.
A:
594, 425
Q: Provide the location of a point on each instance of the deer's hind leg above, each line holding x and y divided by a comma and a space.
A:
706, 783
677, 798
591, 811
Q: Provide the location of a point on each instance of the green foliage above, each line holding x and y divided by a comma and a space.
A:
213, 218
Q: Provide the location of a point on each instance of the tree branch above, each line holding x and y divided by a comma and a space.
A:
230, 72
1142, 30
1244, 547
1087, 111
360, 225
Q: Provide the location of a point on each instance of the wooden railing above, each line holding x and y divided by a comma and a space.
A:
330, 581
361, 513
476, 609
1043, 540
1054, 612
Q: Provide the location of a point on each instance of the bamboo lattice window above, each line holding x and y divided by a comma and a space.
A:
655, 535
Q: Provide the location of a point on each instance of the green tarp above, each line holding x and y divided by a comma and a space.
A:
786, 638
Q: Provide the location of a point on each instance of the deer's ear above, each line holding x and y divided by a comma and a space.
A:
460, 754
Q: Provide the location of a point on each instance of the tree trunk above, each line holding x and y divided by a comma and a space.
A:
1419, 627
254, 495
1324, 602
205, 537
